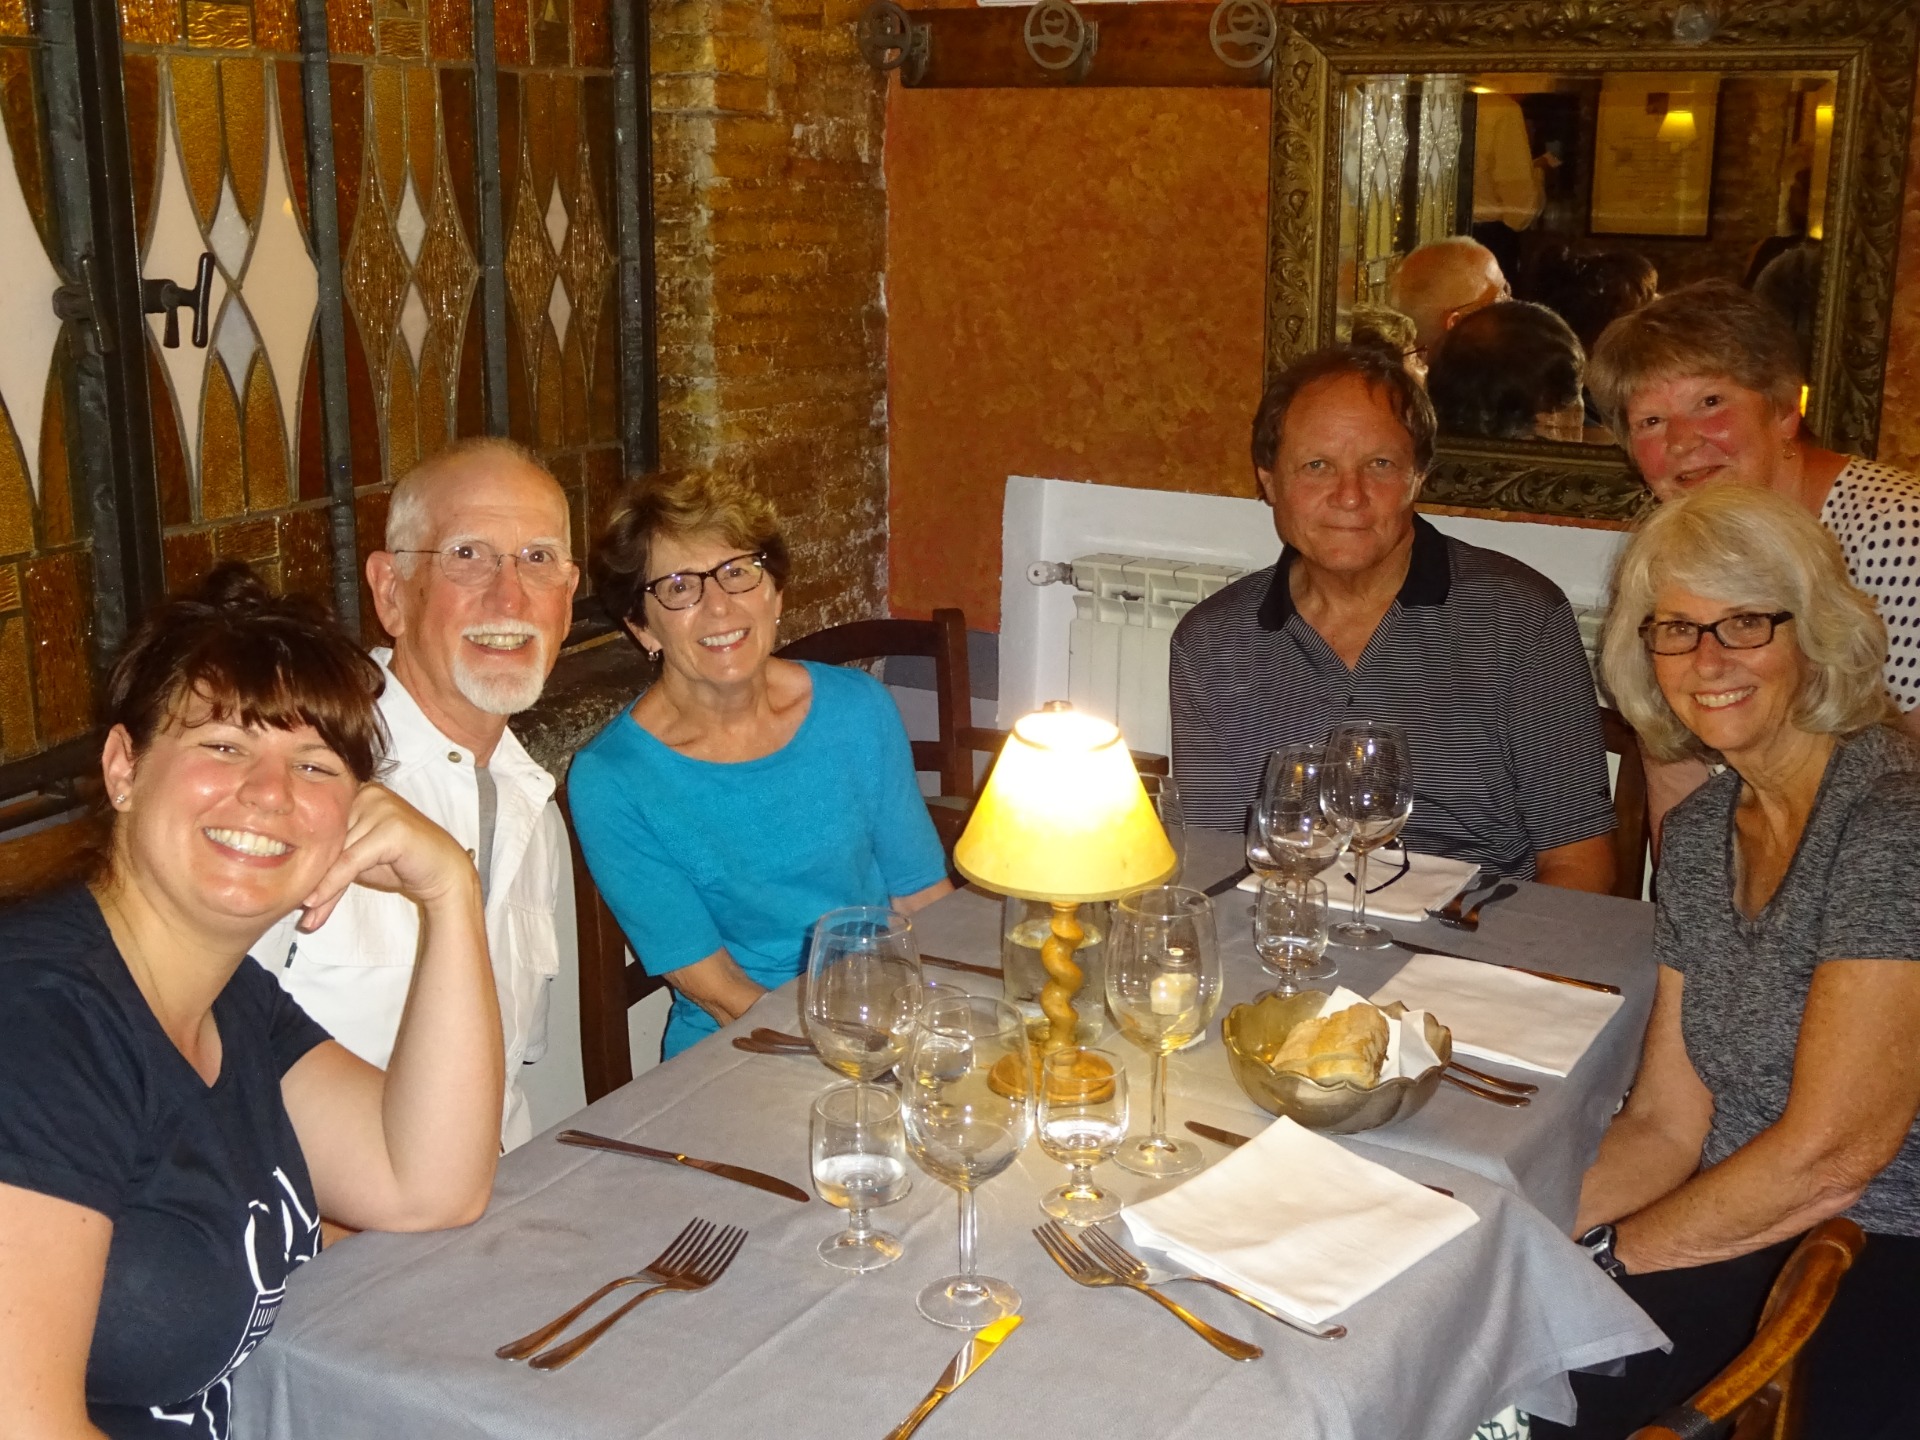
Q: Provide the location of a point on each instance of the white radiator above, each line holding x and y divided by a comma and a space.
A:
1123, 621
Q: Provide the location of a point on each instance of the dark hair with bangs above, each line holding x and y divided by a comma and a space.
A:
256, 658
1381, 372
677, 506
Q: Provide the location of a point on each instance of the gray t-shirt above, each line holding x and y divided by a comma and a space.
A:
489, 814
1852, 892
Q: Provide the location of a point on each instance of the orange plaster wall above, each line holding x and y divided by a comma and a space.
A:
1075, 287
1075, 290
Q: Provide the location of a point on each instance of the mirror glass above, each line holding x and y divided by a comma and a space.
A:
1593, 192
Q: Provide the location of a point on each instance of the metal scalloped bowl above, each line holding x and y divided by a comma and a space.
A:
1339, 1108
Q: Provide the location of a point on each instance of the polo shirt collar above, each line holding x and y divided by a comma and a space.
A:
1429, 577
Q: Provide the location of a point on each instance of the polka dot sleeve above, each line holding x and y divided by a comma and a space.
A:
1874, 512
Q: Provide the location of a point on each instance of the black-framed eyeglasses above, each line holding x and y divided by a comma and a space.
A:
474, 563
737, 574
1734, 632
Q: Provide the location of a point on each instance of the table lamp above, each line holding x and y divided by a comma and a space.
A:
1063, 819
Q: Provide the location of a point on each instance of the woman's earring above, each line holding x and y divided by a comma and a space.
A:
121, 798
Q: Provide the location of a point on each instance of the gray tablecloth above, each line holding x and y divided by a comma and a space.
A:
387, 1336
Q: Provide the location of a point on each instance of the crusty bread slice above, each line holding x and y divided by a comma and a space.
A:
1349, 1045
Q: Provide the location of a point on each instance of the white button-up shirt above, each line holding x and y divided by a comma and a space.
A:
352, 974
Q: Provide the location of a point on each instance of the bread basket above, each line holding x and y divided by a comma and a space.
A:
1337, 1108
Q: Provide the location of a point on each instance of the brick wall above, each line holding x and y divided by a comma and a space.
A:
771, 242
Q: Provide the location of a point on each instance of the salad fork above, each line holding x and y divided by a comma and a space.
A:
665, 1266
1083, 1269
697, 1274
1129, 1266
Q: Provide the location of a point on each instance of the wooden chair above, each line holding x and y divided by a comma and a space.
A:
1758, 1391
52, 856
610, 985
1632, 831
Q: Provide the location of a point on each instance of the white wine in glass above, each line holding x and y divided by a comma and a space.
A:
1163, 985
864, 965
1083, 1119
859, 1164
1369, 789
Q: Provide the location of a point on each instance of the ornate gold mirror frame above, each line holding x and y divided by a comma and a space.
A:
1870, 44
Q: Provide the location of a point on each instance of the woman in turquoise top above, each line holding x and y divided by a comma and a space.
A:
741, 797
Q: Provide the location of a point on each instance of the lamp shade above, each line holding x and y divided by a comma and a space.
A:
1064, 816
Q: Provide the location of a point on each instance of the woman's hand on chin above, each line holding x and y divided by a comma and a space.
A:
391, 846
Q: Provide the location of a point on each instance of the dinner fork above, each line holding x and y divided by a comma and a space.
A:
669, 1263
1083, 1269
700, 1272
1498, 1097
1129, 1266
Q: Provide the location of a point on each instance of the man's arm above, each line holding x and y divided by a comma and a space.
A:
1583, 865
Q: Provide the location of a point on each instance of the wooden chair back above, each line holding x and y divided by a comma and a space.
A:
943, 639
1632, 830
1759, 1390
57, 853
610, 984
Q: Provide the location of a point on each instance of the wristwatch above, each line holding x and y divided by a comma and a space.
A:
1598, 1243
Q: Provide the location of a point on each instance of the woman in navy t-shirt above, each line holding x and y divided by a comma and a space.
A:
172, 1125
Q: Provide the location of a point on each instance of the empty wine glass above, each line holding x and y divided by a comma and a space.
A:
864, 963
859, 1164
1173, 819
967, 1100
1163, 985
1301, 837
1290, 930
1368, 786
1083, 1119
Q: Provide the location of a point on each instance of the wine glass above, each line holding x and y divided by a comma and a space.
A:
1163, 985
1290, 930
859, 1163
1301, 837
967, 1100
1083, 1119
864, 957
1368, 786
1173, 820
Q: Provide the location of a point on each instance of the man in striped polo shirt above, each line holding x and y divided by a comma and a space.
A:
1372, 614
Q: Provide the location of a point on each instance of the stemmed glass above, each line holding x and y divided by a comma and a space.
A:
1163, 985
1368, 786
967, 1098
859, 1163
863, 969
1166, 804
1302, 838
1290, 930
1083, 1119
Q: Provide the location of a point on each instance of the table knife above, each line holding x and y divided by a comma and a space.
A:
1603, 988
1234, 1142
971, 1357
1221, 887
992, 971
739, 1174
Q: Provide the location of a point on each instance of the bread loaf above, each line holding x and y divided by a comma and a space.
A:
1350, 1045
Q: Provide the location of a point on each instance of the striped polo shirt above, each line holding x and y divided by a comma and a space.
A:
1478, 658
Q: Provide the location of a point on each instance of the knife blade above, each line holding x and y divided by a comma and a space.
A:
993, 971
1598, 985
1234, 1142
972, 1356
1221, 887
739, 1174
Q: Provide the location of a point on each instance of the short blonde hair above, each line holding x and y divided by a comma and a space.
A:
677, 506
1746, 547
1712, 327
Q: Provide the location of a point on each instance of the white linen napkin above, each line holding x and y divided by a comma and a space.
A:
1430, 882
1502, 1014
1299, 1221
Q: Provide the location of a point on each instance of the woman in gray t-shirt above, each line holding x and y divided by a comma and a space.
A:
1780, 1079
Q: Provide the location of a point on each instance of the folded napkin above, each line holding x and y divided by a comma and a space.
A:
1502, 1014
1427, 883
1299, 1221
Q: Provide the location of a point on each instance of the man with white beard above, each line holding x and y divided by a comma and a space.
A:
476, 587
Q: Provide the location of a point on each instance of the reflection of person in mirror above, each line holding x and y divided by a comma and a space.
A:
1442, 283
1509, 372
1703, 387
1508, 192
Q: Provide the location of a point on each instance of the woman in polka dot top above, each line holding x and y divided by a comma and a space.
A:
1703, 387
